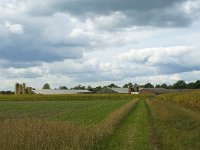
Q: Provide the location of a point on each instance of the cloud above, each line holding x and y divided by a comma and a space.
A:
135, 63
168, 79
58, 37
66, 29
31, 72
159, 13
46, 41
166, 59
14, 28
97, 41
191, 6
100, 6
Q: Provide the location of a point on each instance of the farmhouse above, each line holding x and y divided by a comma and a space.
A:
157, 91
51, 91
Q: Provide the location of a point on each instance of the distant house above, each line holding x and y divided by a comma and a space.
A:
157, 91
51, 91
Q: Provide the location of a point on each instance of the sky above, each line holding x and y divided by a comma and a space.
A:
98, 42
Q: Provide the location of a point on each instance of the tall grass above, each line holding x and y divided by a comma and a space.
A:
42, 134
188, 99
177, 128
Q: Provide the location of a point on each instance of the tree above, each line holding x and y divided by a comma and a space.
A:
180, 85
63, 88
197, 84
164, 86
79, 87
158, 86
170, 87
191, 85
112, 85
128, 85
96, 89
46, 86
6, 92
148, 85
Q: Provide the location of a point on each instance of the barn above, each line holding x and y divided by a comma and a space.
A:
55, 91
108, 90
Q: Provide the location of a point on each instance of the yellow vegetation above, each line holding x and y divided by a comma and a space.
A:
188, 99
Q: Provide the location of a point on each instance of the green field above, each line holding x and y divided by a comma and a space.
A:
68, 111
101, 122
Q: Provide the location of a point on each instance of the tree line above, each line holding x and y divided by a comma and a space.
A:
181, 84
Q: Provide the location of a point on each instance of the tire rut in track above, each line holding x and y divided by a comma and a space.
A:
155, 138
133, 133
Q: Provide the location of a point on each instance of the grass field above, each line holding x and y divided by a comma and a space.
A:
68, 111
109, 122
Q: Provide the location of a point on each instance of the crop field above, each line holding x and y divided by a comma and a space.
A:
112, 122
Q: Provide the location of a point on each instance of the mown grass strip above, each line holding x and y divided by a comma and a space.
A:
132, 132
155, 137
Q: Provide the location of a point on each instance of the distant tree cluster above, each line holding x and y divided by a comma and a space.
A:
181, 84
6, 92
79, 87
63, 88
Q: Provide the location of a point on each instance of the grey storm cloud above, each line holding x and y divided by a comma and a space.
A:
41, 40
162, 13
26, 49
47, 38
105, 6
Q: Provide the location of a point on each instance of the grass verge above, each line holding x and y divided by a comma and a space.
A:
132, 132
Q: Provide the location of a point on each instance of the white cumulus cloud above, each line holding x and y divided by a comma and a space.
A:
14, 28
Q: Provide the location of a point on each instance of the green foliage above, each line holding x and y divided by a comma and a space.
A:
191, 85
46, 86
158, 86
164, 86
63, 88
6, 92
106, 90
148, 85
197, 84
180, 85
128, 85
79, 87
95, 90
112, 85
